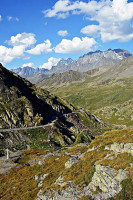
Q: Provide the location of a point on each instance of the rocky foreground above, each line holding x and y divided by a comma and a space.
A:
100, 170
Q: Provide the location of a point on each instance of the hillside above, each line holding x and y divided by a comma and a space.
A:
36, 78
72, 157
108, 95
123, 69
66, 78
101, 170
25, 105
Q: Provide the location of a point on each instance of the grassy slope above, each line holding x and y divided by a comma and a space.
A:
99, 96
22, 184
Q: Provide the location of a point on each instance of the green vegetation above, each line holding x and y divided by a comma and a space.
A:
115, 136
38, 137
51, 147
25, 105
107, 99
22, 184
122, 161
24, 159
127, 191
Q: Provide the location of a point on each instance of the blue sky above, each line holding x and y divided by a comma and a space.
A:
40, 32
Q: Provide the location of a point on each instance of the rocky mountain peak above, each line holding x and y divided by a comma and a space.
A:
89, 61
117, 52
100, 58
65, 61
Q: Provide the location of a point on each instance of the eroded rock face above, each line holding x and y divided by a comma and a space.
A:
69, 194
105, 184
41, 179
71, 161
60, 182
107, 180
121, 148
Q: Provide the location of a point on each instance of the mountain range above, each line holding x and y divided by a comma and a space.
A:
86, 62
28, 71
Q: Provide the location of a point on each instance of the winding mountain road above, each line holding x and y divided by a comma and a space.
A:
34, 127
24, 128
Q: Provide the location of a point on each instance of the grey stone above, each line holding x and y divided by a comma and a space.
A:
71, 161
121, 148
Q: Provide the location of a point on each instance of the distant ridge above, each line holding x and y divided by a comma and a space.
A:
88, 61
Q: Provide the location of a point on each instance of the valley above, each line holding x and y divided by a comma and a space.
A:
116, 96
66, 100
70, 136
108, 93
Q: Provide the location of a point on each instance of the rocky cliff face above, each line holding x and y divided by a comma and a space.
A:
24, 104
62, 66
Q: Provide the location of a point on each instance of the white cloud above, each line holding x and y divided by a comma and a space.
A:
123, 9
8, 54
62, 33
63, 8
0, 18
10, 18
115, 21
91, 30
114, 18
51, 62
56, 9
25, 39
75, 46
28, 65
41, 48
19, 42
